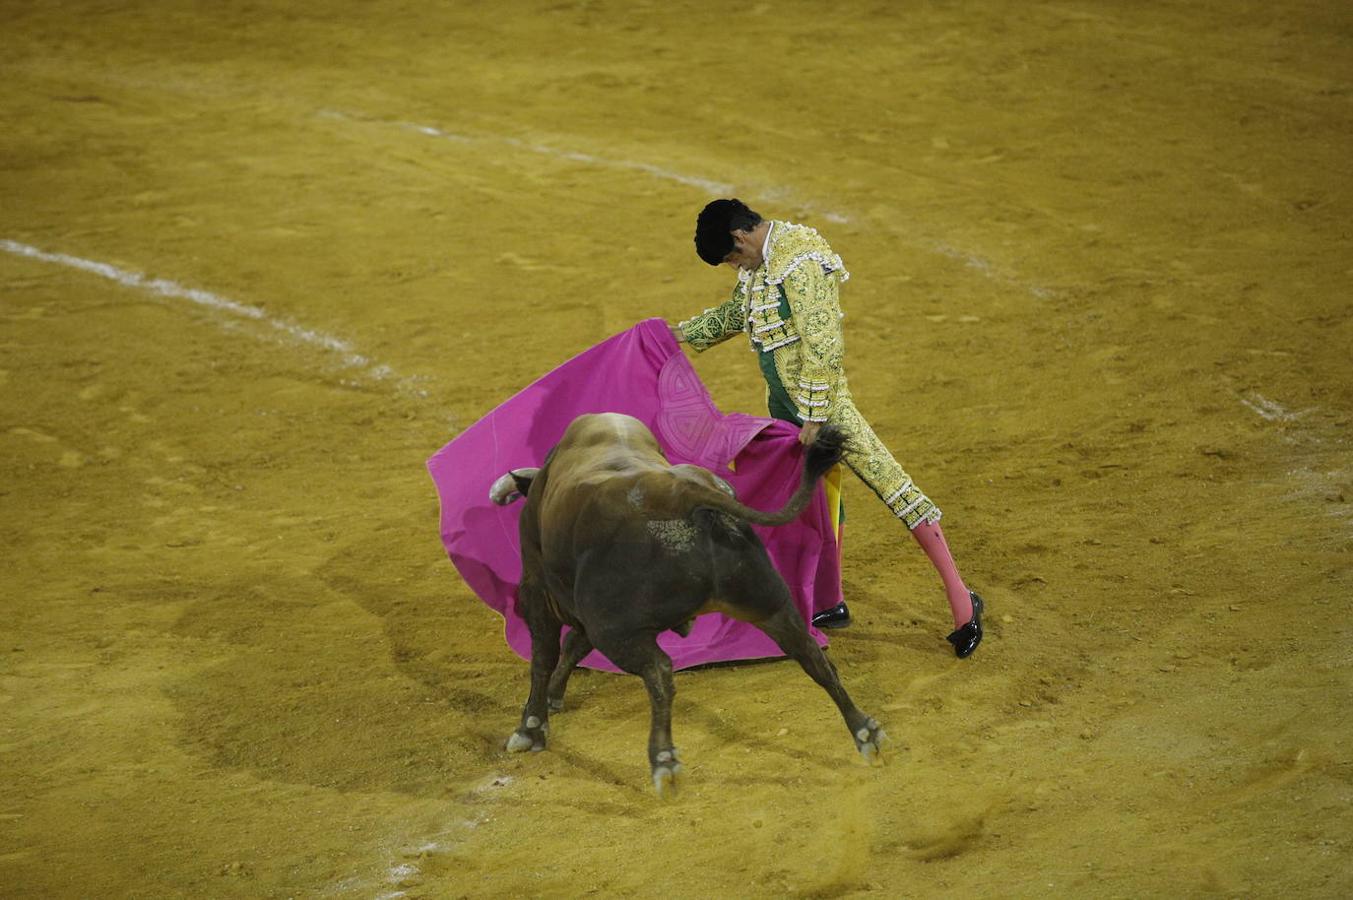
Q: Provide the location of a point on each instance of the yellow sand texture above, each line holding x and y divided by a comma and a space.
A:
1100, 307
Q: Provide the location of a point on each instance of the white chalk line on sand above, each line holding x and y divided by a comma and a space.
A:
1312, 485
708, 185
1272, 410
704, 184
987, 268
591, 159
166, 288
972, 261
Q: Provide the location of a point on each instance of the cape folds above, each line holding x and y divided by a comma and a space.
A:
643, 373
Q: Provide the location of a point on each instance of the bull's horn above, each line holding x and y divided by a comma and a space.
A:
504, 490
512, 486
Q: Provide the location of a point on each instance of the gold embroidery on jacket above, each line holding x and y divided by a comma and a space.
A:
808, 350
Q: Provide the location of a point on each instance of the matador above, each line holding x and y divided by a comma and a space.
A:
787, 302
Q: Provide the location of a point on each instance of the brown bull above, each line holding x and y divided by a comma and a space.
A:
621, 545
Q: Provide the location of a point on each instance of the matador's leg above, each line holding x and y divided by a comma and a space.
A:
875, 465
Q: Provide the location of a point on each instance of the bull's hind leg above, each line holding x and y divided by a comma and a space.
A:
576, 646
639, 654
786, 628
532, 732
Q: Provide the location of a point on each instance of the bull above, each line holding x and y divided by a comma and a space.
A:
621, 545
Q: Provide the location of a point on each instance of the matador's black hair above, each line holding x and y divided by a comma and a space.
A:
714, 227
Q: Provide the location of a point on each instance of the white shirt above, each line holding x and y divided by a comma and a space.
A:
765, 246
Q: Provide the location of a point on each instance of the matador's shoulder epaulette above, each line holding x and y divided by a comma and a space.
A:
793, 245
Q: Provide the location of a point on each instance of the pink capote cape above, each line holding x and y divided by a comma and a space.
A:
641, 372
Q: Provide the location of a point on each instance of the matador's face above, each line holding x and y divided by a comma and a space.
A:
746, 252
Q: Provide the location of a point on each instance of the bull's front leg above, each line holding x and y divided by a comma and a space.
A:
533, 730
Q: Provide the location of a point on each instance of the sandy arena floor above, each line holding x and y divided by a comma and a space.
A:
260, 260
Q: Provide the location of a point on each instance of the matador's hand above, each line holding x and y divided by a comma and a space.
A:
809, 432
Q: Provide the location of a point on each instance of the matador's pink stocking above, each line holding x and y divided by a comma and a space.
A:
931, 539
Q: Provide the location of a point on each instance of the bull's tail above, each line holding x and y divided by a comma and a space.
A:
512, 486
824, 453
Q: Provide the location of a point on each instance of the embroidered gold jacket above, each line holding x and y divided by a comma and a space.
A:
789, 304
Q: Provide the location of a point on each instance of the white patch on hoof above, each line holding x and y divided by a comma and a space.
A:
555, 705
665, 780
869, 739
532, 721
504, 490
665, 756
519, 742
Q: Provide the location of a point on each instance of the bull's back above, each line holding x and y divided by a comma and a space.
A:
597, 449
607, 479
614, 431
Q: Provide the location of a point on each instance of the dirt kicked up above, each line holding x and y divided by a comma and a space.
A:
259, 262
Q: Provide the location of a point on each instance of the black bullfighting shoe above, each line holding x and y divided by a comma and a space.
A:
836, 617
966, 639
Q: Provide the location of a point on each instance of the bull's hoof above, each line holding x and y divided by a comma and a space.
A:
869, 740
666, 768
556, 704
530, 736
